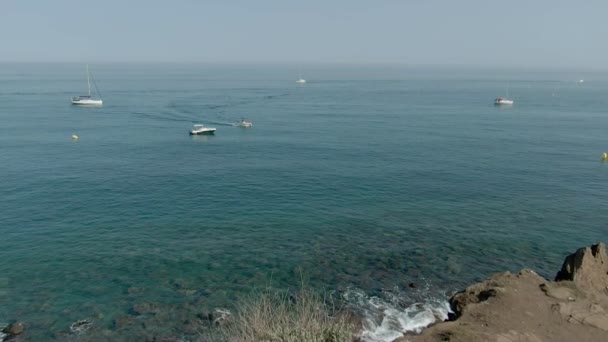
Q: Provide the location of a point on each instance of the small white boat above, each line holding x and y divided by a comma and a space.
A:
87, 100
84, 100
503, 101
201, 129
581, 81
244, 123
300, 79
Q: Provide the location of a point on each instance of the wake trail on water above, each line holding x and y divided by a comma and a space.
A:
190, 110
160, 117
214, 113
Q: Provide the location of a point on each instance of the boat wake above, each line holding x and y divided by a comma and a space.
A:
393, 313
219, 113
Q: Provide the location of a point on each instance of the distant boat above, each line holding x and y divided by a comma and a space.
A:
581, 81
199, 129
244, 123
88, 100
300, 79
503, 100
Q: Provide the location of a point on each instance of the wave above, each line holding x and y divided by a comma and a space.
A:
392, 314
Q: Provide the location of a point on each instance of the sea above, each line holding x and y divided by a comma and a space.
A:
386, 187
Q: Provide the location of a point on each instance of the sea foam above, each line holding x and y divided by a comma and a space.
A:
388, 317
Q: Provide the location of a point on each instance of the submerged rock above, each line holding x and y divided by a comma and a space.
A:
162, 339
123, 321
135, 290
14, 329
190, 327
81, 326
187, 292
205, 316
180, 284
61, 336
145, 308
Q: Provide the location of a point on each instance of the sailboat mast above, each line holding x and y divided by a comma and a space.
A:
88, 80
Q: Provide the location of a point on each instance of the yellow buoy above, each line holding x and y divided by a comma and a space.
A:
74, 137
605, 156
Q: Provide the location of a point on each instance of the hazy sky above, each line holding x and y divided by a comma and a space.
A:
528, 33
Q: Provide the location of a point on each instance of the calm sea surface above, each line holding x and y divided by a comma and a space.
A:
364, 179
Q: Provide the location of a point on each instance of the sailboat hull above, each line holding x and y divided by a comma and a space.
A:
87, 102
501, 101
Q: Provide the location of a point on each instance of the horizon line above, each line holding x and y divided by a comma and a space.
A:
325, 63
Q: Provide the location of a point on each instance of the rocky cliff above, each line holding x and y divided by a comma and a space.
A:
525, 307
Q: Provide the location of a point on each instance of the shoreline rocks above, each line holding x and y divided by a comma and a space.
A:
526, 307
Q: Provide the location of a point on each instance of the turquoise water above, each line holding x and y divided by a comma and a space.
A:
364, 178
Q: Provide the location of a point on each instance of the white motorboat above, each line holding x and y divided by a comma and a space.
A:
503, 101
201, 129
88, 100
244, 123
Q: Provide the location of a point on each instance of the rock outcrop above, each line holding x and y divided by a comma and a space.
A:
587, 268
525, 307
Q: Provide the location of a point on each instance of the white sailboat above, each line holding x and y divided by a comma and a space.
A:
503, 100
87, 100
300, 79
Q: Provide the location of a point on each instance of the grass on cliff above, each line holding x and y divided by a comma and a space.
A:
278, 317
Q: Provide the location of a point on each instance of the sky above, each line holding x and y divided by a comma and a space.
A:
514, 33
